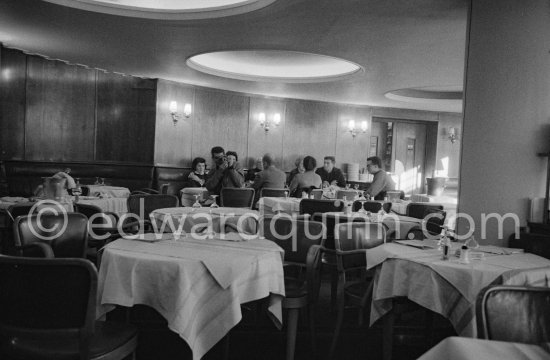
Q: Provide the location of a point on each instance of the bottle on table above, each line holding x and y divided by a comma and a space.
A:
445, 244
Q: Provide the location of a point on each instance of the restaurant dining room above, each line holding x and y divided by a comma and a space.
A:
274, 179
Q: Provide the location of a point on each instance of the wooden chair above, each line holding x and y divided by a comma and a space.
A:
420, 210
272, 192
48, 311
349, 194
237, 197
7, 241
303, 250
351, 241
66, 234
514, 313
143, 205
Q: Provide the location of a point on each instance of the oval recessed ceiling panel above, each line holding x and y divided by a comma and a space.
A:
431, 94
273, 66
167, 9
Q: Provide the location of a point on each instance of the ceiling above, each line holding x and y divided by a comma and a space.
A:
399, 44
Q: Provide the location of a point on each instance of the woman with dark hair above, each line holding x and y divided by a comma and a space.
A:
307, 180
198, 174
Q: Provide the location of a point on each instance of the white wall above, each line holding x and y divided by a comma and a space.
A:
506, 111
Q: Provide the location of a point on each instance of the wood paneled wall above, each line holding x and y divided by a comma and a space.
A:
53, 111
231, 121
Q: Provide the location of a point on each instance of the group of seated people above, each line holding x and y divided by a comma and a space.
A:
227, 172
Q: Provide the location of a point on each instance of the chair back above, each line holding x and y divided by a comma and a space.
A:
514, 313
372, 206
316, 193
312, 206
294, 236
272, 192
352, 239
47, 298
144, 204
237, 197
435, 221
330, 221
420, 210
394, 195
67, 234
349, 194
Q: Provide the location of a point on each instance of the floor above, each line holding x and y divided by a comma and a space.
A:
256, 337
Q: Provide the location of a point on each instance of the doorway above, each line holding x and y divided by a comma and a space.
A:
407, 151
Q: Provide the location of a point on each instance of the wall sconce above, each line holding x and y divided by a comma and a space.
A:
353, 130
266, 123
452, 135
174, 111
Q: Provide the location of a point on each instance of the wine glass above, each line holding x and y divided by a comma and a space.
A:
197, 204
96, 180
77, 191
286, 195
102, 181
347, 186
356, 186
214, 204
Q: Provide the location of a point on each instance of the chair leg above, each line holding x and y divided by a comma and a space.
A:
333, 289
291, 333
339, 321
387, 347
312, 330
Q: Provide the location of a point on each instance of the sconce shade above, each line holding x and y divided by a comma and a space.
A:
351, 125
187, 110
261, 118
277, 119
364, 126
173, 106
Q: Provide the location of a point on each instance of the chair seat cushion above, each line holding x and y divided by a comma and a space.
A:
107, 338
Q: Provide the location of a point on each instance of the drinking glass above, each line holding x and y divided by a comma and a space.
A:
102, 183
286, 195
214, 204
96, 180
356, 186
347, 186
197, 204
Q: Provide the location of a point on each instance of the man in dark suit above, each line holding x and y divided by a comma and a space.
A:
330, 174
269, 177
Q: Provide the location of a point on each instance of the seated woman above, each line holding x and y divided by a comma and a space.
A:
197, 177
307, 180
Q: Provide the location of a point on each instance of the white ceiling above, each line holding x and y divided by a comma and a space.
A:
399, 44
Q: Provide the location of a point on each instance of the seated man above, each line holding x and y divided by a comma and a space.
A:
225, 174
270, 177
331, 175
251, 174
381, 182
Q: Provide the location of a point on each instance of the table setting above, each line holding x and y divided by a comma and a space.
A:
448, 287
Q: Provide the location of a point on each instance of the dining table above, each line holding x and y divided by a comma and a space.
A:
196, 285
415, 269
107, 191
213, 219
460, 348
117, 205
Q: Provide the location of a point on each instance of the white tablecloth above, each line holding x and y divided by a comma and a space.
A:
196, 285
274, 205
446, 287
108, 191
116, 205
190, 220
458, 348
